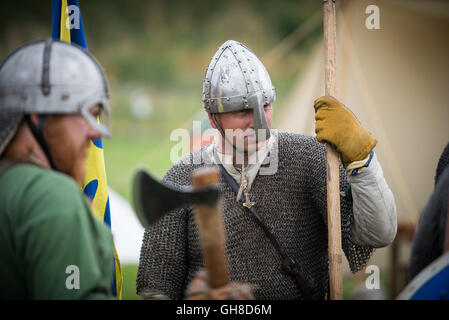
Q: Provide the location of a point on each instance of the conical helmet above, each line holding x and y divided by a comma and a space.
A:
236, 80
50, 77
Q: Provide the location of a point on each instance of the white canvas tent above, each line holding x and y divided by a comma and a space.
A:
126, 229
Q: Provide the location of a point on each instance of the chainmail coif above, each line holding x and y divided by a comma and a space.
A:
292, 203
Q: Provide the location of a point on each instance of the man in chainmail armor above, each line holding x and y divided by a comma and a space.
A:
281, 176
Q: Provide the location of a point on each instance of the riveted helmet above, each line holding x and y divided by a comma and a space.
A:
237, 80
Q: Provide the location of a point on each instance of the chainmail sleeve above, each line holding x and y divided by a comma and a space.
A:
357, 255
163, 256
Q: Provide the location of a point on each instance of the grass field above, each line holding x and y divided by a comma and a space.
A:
129, 273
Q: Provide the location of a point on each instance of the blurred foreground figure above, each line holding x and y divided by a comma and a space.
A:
274, 192
199, 289
429, 262
432, 232
51, 245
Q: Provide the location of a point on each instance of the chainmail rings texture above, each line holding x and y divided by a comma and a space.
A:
292, 203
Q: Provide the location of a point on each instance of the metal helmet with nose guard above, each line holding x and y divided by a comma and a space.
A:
49, 77
237, 80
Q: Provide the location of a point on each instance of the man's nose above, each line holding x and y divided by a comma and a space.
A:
250, 118
93, 134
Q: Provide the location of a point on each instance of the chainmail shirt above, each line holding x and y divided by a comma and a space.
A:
292, 203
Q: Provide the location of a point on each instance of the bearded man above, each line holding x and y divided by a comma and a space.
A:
274, 192
51, 244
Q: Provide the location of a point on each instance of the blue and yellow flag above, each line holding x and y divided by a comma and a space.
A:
67, 25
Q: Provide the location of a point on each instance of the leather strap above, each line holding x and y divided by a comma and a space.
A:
39, 136
288, 264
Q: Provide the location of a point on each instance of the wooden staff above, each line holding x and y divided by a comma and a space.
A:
210, 225
332, 159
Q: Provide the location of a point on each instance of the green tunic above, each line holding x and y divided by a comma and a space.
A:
51, 245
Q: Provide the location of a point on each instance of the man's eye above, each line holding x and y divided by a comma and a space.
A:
95, 112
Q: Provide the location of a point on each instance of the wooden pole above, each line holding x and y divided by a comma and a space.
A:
210, 225
332, 160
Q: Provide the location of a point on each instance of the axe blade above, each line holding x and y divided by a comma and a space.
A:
153, 199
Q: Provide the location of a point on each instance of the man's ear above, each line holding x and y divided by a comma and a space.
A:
212, 121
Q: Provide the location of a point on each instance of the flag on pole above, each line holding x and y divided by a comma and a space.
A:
67, 25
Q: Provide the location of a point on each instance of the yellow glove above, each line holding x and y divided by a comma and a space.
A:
337, 125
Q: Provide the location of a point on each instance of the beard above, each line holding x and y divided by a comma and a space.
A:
68, 157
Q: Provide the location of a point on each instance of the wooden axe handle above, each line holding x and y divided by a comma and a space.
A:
210, 225
332, 160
